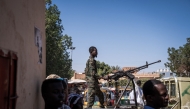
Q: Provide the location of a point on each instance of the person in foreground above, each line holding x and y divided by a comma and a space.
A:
156, 94
64, 82
53, 93
92, 79
75, 101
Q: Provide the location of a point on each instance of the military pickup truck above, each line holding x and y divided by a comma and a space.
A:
179, 92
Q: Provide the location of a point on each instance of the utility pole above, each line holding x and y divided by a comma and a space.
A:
72, 48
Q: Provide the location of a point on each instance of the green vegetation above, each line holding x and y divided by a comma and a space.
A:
179, 59
57, 44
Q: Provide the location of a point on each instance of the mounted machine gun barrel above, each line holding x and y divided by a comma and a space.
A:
128, 73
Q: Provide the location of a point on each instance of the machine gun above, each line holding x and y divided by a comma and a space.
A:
128, 74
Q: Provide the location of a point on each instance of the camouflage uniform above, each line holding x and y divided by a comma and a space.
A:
92, 82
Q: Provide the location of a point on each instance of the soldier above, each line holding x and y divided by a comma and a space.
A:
92, 79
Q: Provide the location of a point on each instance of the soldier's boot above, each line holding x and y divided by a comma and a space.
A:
102, 106
88, 108
101, 103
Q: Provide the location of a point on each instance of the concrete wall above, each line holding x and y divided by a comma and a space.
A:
17, 21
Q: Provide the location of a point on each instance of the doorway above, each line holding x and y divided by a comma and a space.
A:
8, 72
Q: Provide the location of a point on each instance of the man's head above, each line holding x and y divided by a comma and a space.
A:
138, 82
93, 51
53, 92
155, 93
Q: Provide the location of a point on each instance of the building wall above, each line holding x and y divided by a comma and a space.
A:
17, 21
79, 76
147, 75
137, 75
129, 68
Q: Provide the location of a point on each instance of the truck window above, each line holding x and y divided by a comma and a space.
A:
173, 89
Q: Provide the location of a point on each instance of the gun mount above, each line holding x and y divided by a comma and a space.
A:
131, 77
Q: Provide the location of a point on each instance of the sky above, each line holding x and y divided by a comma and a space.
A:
127, 33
